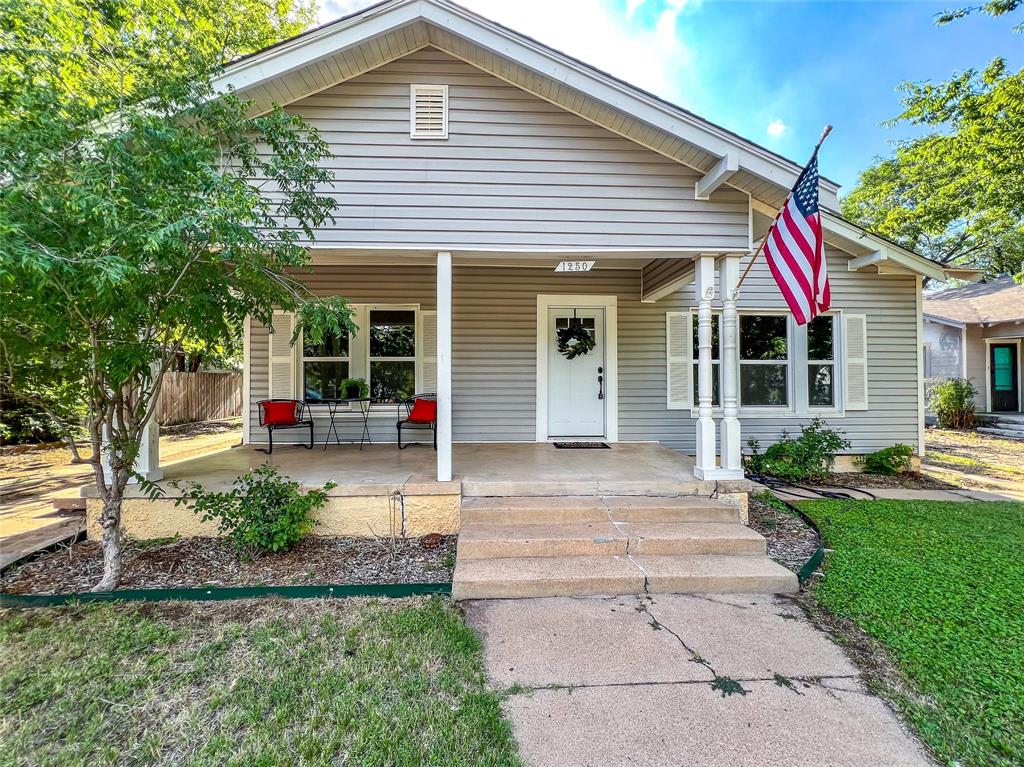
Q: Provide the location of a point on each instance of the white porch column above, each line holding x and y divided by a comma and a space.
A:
732, 462
444, 367
705, 464
147, 462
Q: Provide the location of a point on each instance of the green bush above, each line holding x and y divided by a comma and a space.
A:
264, 511
809, 456
952, 401
890, 460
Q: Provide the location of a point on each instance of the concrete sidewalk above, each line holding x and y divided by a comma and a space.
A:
682, 680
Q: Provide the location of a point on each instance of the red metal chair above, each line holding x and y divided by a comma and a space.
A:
284, 414
420, 413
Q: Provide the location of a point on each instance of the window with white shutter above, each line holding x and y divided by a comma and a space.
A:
855, 349
282, 357
679, 361
428, 352
429, 111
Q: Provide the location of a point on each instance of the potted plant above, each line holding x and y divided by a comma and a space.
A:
355, 388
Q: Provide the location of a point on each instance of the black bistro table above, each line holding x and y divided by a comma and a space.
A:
334, 406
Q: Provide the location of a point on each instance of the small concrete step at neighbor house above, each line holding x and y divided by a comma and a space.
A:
585, 545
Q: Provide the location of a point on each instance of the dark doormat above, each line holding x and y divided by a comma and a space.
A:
583, 446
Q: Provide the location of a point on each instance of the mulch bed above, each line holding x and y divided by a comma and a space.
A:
910, 480
195, 562
791, 541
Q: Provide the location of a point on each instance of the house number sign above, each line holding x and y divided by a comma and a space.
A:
575, 266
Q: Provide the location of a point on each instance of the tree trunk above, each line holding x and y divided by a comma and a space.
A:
110, 521
76, 457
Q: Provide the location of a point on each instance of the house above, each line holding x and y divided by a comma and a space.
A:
975, 332
493, 192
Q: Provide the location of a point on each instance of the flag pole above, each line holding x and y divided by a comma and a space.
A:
736, 290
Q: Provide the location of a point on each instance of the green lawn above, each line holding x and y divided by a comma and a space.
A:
941, 586
305, 682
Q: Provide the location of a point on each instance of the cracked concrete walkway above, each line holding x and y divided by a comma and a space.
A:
646, 681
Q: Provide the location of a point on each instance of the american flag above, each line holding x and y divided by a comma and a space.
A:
793, 248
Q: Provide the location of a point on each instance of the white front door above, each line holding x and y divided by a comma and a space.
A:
577, 386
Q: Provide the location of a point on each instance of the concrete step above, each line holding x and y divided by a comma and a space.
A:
716, 573
581, 539
597, 487
520, 510
1008, 418
510, 578
1005, 433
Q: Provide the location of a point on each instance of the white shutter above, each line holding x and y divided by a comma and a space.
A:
282, 357
428, 105
679, 354
855, 352
428, 352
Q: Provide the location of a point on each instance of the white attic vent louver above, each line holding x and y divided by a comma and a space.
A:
429, 111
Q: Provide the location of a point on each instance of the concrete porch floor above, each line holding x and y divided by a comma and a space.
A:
481, 469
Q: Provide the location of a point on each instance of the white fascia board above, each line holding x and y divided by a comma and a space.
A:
943, 320
316, 45
724, 169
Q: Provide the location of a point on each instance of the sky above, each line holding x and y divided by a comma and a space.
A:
774, 71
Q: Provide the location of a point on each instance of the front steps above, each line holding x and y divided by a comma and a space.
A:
588, 545
1006, 425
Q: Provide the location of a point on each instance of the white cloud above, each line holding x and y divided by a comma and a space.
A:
776, 128
657, 60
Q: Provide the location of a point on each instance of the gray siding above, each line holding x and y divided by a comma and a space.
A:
976, 364
494, 355
515, 172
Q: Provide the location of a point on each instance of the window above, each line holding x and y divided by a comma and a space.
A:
392, 354
821, 362
716, 362
325, 366
428, 105
764, 361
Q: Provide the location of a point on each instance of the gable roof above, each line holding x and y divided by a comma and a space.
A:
352, 45
988, 302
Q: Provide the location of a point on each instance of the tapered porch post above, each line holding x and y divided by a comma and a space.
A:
731, 453
705, 286
444, 367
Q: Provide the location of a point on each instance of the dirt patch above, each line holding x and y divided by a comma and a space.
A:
195, 562
909, 480
973, 460
791, 541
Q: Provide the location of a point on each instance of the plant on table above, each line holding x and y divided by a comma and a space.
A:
353, 388
264, 512
889, 460
952, 401
808, 456
129, 231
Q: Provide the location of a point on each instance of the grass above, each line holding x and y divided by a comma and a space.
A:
941, 587
256, 683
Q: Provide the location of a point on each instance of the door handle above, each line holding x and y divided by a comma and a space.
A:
600, 384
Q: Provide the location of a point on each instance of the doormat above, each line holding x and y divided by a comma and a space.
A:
583, 446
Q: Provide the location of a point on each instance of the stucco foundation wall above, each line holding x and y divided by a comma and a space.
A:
357, 517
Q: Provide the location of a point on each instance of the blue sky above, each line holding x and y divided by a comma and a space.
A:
775, 71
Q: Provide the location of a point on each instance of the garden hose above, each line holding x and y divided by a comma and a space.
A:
774, 484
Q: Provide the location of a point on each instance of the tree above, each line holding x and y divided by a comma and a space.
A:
992, 7
177, 216
956, 193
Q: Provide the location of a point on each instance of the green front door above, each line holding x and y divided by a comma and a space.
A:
1005, 383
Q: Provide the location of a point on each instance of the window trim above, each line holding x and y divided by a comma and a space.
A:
804, 397
720, 362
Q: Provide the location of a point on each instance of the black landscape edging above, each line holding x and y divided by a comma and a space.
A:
219, 594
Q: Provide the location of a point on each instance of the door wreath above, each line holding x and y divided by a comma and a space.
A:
574, 340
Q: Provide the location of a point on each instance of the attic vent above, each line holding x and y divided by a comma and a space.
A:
429, 108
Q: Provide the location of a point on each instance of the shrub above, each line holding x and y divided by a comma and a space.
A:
890, 460
952, 401
263, 512
809, 456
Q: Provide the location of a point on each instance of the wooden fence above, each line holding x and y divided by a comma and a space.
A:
190, 397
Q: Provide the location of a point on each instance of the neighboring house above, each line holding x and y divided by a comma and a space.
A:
471, 160
975, 332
